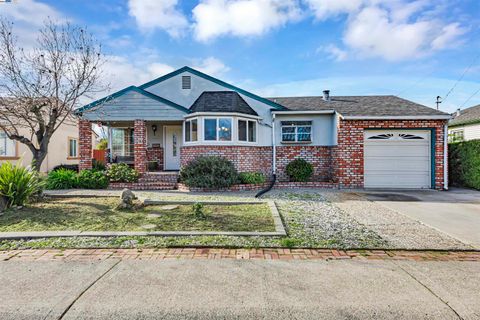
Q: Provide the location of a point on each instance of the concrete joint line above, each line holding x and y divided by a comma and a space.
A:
86, 289
429, 290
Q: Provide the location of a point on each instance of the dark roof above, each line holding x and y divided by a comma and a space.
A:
467, 116
221, 101
359, 105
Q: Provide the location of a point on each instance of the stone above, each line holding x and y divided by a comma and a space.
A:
126, 199
149, 226
3, 204
154, 215
169, 207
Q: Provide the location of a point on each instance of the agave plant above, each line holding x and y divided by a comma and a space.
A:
18, 184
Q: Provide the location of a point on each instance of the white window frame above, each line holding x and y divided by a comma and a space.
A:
217, 130
5, 142
69, 156
191, 130
248, 132
296, 131
453, 132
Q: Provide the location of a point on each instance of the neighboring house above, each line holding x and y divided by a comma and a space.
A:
62, 149
354, 142
465, 125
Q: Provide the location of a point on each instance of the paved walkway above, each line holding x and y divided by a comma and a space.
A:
234, 254
330, 288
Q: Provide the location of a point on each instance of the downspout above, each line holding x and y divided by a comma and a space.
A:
274, 162
445, 157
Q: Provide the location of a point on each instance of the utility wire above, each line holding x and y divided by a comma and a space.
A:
469, 98
422, 79
461, 77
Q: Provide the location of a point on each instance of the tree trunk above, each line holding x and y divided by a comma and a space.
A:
38, 158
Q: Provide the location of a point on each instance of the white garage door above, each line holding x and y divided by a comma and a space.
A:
397, 159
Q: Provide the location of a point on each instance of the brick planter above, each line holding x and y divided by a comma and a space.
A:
234, 188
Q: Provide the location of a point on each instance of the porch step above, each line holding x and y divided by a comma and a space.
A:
170, 177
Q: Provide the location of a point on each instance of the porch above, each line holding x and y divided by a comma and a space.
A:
148, 146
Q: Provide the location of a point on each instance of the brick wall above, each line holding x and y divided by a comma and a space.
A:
85, 144
140, 145
348, 155
155, 153
320, 157
245, 158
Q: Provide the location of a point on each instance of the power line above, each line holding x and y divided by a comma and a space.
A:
461, 77
415, 83
473, 95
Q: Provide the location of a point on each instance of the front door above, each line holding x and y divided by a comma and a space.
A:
173, 142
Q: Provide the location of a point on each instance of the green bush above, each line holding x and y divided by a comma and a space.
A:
18, 184
464, 164
198, 211
92, 179
98, 165
251, 177
209, 172
121, 172
299, 170
62, 179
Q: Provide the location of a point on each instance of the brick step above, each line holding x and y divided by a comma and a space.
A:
148, 180
143, 185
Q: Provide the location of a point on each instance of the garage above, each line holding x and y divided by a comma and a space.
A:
397, 159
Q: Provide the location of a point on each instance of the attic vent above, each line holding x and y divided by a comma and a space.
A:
186, 82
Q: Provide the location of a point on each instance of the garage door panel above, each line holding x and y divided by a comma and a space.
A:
393, 159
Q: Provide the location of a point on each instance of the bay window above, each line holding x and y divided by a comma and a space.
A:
247, 130
217, 129
296, 131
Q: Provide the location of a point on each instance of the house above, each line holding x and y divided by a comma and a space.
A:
465, 125
352, 141
62, 149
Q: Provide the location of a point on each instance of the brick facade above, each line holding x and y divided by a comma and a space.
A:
320, 157
245, 158
349, 157
140, 146
85, 144
155, 153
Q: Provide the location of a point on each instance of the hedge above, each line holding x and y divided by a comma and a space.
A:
464, 164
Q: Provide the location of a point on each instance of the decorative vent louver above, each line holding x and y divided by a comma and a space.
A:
382, 136
186, 82
410, 136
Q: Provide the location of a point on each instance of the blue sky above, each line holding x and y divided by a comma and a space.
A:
415, 49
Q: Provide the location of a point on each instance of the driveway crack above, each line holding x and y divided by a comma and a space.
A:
429, 290
86, 289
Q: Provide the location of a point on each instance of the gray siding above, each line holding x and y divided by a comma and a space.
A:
323, 128
132, 106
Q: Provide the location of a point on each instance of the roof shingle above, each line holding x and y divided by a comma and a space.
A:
467, 116
221, 101
359, 105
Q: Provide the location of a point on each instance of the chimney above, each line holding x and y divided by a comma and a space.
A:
457, 113
326, 95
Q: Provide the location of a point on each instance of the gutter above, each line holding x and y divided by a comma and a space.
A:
274, 162
304, 112
445, 157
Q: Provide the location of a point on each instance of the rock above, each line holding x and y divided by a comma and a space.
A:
126, 199
154, 215
3, 204
149, 226
169, 207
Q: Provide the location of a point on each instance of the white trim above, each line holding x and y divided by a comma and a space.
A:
437, 117
217, 140
184, 123
221, 115
303, 112
247, 142
165, 145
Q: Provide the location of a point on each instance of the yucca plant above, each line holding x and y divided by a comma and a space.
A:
18, 184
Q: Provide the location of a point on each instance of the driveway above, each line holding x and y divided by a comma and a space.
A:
233, 289
455, 212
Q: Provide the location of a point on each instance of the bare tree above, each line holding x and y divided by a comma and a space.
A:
41, 87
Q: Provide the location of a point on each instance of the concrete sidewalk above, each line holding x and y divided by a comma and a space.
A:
251, 289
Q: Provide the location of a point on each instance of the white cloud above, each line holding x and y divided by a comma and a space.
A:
211, 66
159, 69
214, 18
333, 52
324, 9
161, 14
448, 37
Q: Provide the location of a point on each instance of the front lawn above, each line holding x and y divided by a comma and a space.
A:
99, 214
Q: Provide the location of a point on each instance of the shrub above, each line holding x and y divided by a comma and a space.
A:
92, 179
62, 179
299, 170
72, 167
209, 172
98, 165
251, 177
198, 212
18, 184
464, 164
102, 144
121, 172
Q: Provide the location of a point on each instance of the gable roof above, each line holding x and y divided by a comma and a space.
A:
126, 90
221, 101
360, 106
467, 116
215, 80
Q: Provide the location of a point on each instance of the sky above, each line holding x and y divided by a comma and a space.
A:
417, 49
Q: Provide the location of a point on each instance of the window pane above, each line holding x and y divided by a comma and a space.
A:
194, 130
304, 133
3, 144
242, 130
72, 148
288, 129
252, 131
224, 129
187, 130
210, 130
